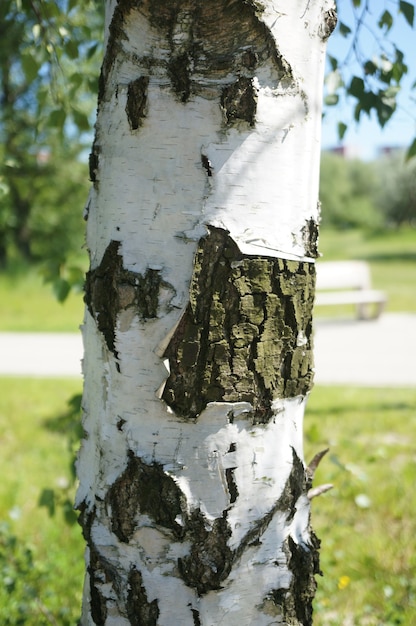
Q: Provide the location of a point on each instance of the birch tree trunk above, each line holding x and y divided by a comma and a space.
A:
202, 232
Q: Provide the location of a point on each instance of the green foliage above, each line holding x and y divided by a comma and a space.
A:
381, 194
49, 66
347, 188
376, 81
396, 195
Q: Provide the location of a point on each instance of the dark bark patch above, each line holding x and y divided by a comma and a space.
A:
229, 477
206, 164
246, 333
210, 559
196, 617
296, 485
140, 611
295, 603
93, 163
110, 289
239, 101
310, 235
136, 101
144, 489
179, 74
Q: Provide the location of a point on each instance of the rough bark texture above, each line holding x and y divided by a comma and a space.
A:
202, 230
246, 334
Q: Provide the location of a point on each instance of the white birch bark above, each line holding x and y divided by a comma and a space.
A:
195, 509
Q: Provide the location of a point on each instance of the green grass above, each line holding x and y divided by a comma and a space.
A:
28, 304
41, 557
392, 259
367, 521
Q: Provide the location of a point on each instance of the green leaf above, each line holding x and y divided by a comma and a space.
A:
61, 289
71, 49
57, 118
332, 61
411, 151
370, 68
30, 67
408, 11
81, 120
342, 129
47, 499
356, 87
344, 29
386, 20
331, 99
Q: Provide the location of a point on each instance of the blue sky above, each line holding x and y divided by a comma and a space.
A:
366, 137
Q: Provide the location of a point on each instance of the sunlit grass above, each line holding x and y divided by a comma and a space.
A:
28, 304
41, 557
367, 521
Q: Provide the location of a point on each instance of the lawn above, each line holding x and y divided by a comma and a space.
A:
366, 522
41, 557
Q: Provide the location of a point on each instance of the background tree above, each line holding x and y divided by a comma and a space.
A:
48, 69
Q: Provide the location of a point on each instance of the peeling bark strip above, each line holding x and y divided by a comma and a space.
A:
110, 288
246, 334
136, 101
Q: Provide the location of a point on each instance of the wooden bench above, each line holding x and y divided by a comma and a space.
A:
348, 282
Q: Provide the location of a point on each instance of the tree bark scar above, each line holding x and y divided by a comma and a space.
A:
110, 288
239, 101
136, 101
246, 333
207, 52
210, 559
140, 611
310, 235
146, 489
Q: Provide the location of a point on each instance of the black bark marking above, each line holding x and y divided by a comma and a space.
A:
239, 101
144, 489
206, 164
210, 559
110, 288
99, 570
294, 604
196, 617
229, 477
98, 602
93, 164
246, 333
179, 74
140, 611
136, 101
310, 235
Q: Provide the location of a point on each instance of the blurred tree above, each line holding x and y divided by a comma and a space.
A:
347, 193
49, 57
396, 192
